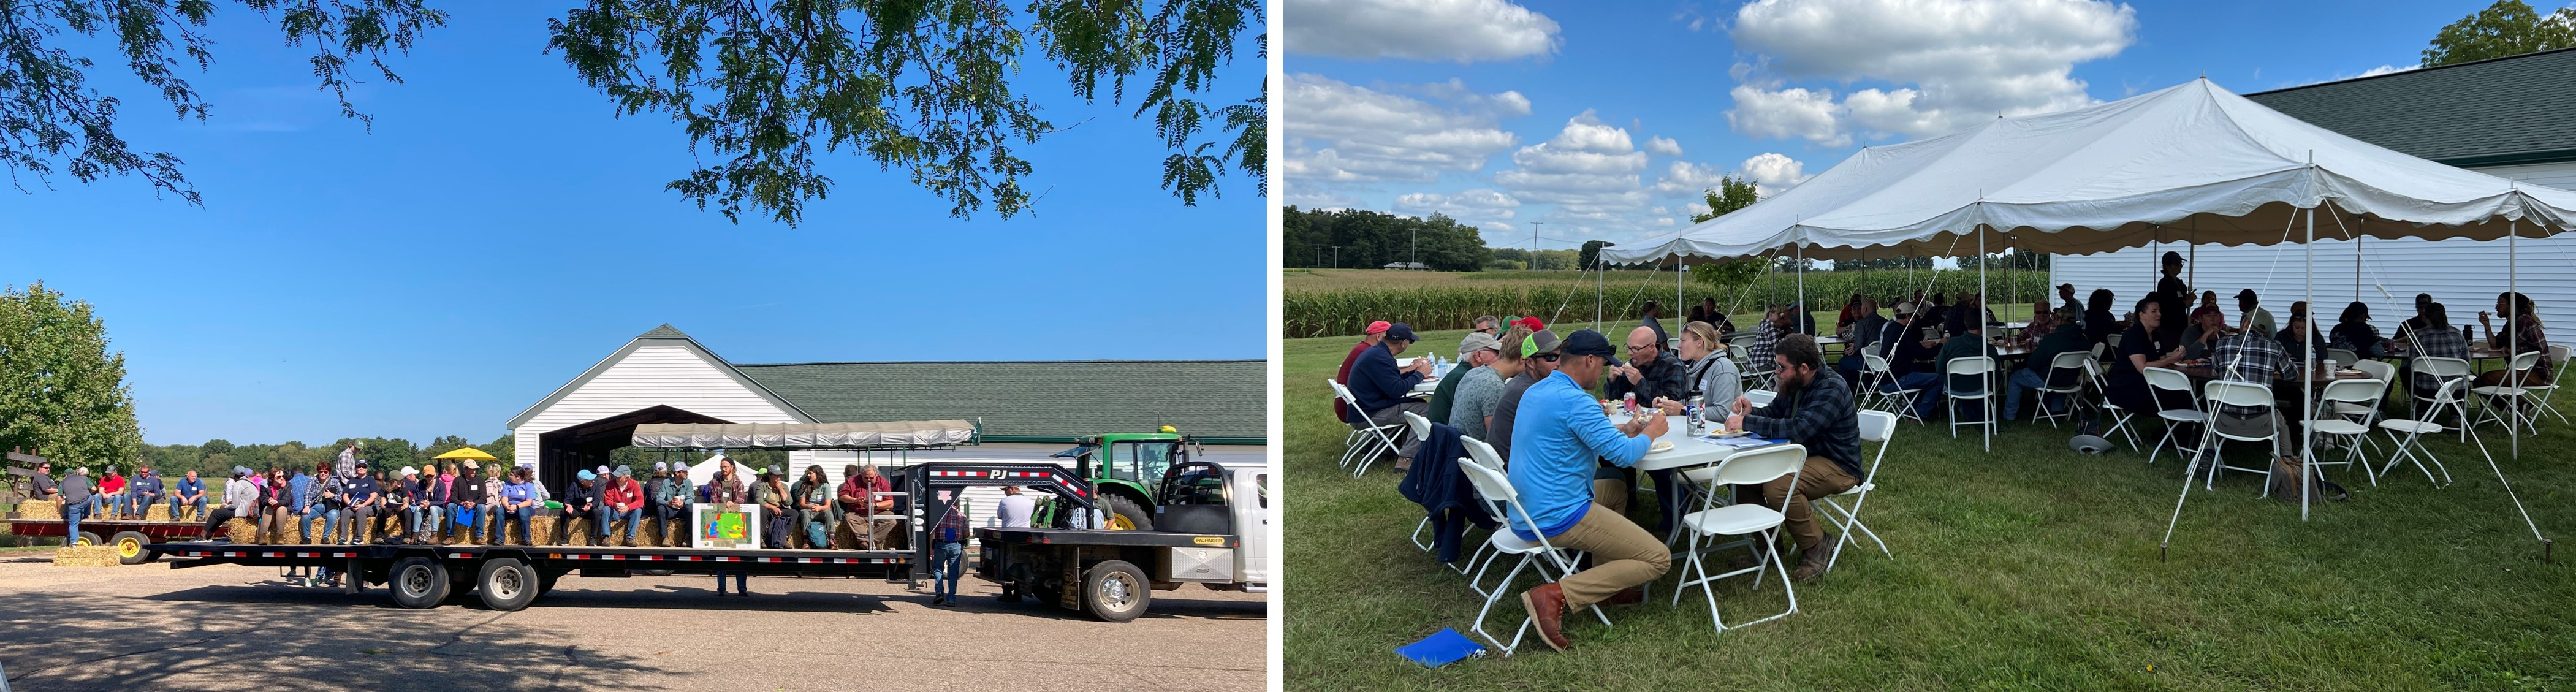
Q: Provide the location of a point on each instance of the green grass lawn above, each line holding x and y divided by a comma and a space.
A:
2028, 567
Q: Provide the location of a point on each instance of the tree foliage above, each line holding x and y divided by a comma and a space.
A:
62, 393
925, 86
1731, 193
2509, 27
1370, 239
52, 121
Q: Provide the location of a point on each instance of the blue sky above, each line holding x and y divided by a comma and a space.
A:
1604, 120
500, 231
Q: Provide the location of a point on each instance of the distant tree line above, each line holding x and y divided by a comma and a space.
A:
217, 457
1363, 239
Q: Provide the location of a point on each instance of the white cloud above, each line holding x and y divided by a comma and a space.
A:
1341, 133
1686, 179
2387, 69
1589, 170
1435, 30
1662, 146
1478, 207
1306, 199
1968, 59
1773, 173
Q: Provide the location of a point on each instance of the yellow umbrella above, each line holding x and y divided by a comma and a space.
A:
468, 453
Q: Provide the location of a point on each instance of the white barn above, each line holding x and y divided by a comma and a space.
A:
1028, 411
2512, 117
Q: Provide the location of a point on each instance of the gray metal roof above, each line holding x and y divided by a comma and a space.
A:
1036, 401
2518, 109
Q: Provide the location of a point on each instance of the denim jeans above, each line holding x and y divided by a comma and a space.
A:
426, 517
97, 504
329, 517
944, 565
176, 504
73, 512
520, 518
741, 582
1925, 400
633, 517
2026, 380
675, 523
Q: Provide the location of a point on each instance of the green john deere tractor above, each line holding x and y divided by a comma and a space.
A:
1125, 468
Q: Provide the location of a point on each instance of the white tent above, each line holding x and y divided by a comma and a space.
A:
2191, 162
2187, 161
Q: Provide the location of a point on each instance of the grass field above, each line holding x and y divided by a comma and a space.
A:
2029, 567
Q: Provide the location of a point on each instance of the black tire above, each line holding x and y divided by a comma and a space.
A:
1122, 508
507, 584
129, 547
418, 582
1116, 591
87, 538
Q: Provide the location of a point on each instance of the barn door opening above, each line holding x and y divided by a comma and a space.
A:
563, 452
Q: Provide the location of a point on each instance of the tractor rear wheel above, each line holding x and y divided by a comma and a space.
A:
1127, 515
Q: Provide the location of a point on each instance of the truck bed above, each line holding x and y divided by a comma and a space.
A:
1105, 537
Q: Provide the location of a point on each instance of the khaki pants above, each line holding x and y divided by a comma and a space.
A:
1820, 478
1403, 433
1623, 555
871, 534
1611, 494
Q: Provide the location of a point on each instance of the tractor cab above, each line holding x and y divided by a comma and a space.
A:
1125, 468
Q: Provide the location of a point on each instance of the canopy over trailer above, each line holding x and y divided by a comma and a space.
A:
931, 434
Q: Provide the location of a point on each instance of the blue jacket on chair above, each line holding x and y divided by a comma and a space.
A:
1436, 483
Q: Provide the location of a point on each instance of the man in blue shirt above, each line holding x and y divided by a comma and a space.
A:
190, 493
143, 491
1384, 390
1560, 435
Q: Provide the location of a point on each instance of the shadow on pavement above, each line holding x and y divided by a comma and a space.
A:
238, 637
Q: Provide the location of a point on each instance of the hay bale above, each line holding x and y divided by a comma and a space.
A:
40, 509
156, 512
86, 556
242, 530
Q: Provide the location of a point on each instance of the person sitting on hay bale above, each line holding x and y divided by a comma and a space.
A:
581, 501
361, 497
670, 496
241, 499
465, 502
189, 493
519, 504
144, 490
622, 501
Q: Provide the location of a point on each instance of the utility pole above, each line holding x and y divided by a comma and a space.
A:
1319, 249
1412, 249
1337, 257
1534, 244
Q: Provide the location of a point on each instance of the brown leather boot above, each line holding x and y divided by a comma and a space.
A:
1811, 561
1546, 606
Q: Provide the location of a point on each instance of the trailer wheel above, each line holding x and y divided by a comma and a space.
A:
87, 538
546, 581
129, 547
1115, 591
507, 584
419, 582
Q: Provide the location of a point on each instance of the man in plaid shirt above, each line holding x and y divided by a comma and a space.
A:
2247, 356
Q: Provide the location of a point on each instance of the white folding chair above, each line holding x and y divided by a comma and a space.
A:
2339, 398
2378, 370
1421, 433
1875, 426
1982, 368
2120, 417
2443, 370
2167, 379
1753, 467
1553, 563
1893, 397
2072, 361
1374, 439
2342, 356
2558, 357
2213, 442
1482, 453
2408, 434
2511, 395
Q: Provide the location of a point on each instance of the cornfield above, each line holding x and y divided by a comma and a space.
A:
1347, 311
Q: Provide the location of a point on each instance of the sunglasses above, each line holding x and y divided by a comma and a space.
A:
1549, 357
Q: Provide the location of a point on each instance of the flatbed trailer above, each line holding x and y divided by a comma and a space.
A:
1202, 514
132, 538
509, 577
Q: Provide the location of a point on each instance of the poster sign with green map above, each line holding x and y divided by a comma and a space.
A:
726, 526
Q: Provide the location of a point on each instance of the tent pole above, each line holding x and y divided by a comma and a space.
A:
2307, 378
1802, 286
1600, 287
1678, 266
2513, 339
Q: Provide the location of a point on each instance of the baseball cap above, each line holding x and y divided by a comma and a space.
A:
2247, 294
587, 475
362, 463
1533, 323
469, 463
409, 471
1585, 342
1401, 330
1539, 342
774, 470
1377, 327
602, 470
1478, 341
2172, 257
624, 472
661, 466
1904, 308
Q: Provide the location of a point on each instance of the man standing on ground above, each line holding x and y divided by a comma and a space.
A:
947, 549
2175, 296
1813, 409
867, 512
77, 496
1561, 435
1015, 508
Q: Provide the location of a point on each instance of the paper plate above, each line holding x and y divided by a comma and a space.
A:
1660, 446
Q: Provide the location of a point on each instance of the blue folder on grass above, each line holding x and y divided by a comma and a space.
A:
1441, 648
